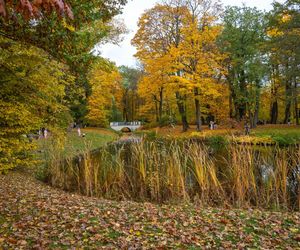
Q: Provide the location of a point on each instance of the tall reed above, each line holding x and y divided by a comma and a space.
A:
241, 176
205, 172
161, 171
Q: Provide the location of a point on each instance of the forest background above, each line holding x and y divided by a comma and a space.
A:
199, 62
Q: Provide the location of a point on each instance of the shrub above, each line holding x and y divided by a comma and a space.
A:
217, 142
284, 140
167, 121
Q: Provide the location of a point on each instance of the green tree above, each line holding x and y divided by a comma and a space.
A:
242, 39
284, 24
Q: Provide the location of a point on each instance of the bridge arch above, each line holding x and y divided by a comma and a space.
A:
126, 128
119, 126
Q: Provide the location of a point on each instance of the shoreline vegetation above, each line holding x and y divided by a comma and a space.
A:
266, 135
161, 169
91, 201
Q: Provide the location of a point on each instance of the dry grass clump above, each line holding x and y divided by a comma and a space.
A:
162, 171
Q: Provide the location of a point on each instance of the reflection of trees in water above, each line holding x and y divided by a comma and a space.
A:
161, 170
294, 182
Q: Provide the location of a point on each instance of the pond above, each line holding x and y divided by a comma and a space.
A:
162, 170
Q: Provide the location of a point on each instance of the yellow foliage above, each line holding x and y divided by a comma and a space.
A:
32, 91
179, 64
105, 81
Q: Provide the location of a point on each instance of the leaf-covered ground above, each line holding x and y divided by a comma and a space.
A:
36, 216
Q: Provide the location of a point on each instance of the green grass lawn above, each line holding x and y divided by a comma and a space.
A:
94, 138
282, 135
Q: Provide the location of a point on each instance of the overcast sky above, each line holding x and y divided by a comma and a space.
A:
123, 54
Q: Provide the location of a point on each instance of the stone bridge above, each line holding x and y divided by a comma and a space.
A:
119, 126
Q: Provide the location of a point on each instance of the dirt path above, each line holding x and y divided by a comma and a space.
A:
36, 216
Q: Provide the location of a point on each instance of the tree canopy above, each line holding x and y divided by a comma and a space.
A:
198, 63
46, 64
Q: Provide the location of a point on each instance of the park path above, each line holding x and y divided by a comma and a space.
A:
34, 215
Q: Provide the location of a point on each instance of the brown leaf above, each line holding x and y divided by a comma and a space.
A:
2, 8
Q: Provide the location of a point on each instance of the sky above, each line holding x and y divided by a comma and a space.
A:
123, 54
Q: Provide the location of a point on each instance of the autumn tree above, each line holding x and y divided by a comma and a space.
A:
182, 54
41, 46
68, 40
32, 95
199, 58
154, 86
106, 88
159, 31
130, 99
34, 9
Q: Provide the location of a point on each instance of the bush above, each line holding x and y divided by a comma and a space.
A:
284, 140
167, 120
217, 142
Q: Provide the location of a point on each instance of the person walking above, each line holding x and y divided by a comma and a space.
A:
247, 129
45, 133
211, 123
78, 131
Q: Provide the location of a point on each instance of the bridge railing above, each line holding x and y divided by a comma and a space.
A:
119, 124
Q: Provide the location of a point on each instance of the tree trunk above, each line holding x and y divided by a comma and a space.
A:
156, 112
198, 110
242, 107
274, 112
241, 111
132, 107
231, 109
161, 96
256, 112
251, 118
274, 98
125, 106
296, 102
182, 112
288, 104
287, 112
255, 117
232, 97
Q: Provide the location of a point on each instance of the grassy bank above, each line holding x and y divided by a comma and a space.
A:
94, 137
73, 144
55, 150
262, 135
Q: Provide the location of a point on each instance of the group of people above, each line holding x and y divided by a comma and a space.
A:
43, 133
212, 125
